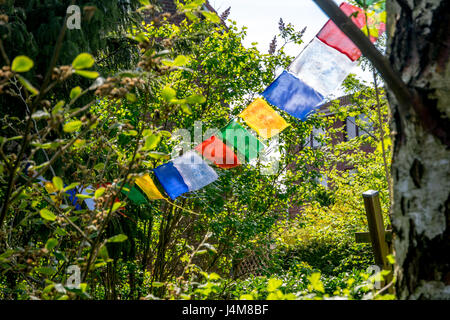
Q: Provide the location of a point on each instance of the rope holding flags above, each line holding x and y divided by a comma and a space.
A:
314, 74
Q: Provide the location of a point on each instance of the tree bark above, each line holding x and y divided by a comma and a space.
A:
419, 47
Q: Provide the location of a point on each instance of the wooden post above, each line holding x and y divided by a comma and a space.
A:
378, 235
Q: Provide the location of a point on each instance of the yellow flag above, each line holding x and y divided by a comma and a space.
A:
148, 186
263, 119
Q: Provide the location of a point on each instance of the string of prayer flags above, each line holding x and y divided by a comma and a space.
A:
292, 95
263, 119
243, 141
134, 195
331, 35
171, 180
195, 171
148, 186
315, 73
218, 153
321, 67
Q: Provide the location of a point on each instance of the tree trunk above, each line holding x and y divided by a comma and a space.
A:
419, 47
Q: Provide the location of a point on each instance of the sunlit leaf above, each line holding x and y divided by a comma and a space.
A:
72, 126
22, 64
211, 16
88, 74
168, 93
83, 61
51, 243
151, 142
71, 186
28, 85
47, 215
118, 238
195, 98
75, 92
58, 183
99, 192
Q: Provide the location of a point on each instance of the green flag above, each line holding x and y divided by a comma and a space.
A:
243, 141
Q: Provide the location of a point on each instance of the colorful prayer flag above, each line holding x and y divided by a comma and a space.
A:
263, 119
218, 153
134, 195
321, 67
195, 171
171, 180
292, 95
335, 38
238, 137
148, 186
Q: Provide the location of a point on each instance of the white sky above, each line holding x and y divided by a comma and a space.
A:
261, 18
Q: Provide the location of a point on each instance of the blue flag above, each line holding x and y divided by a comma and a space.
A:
292, 95
171, 180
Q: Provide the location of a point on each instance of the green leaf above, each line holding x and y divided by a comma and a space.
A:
211, 16
28, 85
103, 253
156, 284
72, 126
71, 186
193, 5
83, 61
165, 134
144, 2
58, 107
51, 243
99, 192
180, 61
186, 109
58, 183
131, 97
75, 92
151, 142
99, 166
88, 74
159, 156
83, 196
195, 98
47, 215
116, 206
192, 17
168, 93
132, 133
118, 238
246, 297
22, 64
45, 270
